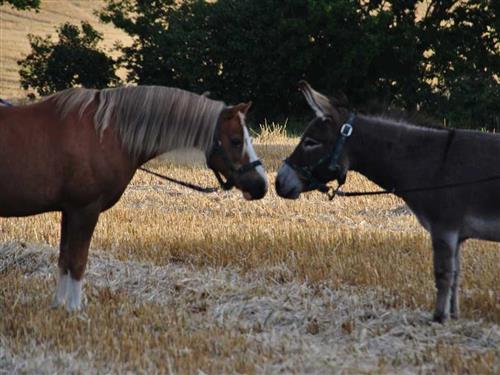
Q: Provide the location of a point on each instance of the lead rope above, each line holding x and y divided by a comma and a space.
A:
334, 192
189, 185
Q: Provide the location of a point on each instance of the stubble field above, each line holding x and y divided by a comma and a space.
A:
181, 282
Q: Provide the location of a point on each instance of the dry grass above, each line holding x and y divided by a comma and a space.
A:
181, 282
16, 25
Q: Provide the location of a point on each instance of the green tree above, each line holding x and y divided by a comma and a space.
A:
22, 4
440, 57
463, 62
73, 60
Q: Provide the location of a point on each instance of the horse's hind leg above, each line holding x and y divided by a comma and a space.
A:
62, 284
79, 224
444, 245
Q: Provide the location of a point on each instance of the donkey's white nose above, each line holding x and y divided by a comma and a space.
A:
288, 184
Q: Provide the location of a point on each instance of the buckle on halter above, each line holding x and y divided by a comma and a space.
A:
346, 130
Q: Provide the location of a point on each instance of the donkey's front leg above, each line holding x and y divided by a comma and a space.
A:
444, 243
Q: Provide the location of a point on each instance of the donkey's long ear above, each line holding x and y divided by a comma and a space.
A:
319, 103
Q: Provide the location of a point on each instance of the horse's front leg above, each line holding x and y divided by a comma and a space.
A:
77, 228
444, 243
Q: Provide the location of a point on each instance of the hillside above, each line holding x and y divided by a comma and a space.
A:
16, 25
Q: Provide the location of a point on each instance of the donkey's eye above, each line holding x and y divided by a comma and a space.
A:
309, 142
236, 142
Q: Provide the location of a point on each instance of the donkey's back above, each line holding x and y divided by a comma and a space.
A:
470, 204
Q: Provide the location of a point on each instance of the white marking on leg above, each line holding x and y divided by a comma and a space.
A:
73, 302
252, 156
289, 182
62, 289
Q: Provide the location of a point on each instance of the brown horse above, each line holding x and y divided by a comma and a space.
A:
76, 151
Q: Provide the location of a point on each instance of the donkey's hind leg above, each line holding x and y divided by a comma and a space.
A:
444, 243
454, 304
79, 225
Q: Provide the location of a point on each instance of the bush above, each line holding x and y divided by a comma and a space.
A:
75, 60
22, 4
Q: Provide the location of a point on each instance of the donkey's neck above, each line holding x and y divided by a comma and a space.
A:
397, 155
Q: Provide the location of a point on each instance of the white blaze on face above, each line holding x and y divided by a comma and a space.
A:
252, 156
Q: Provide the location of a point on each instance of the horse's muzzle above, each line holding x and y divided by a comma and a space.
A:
252, 185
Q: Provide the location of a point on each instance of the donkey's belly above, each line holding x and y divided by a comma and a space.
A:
484, 228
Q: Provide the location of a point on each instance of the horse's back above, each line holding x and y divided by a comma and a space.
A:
48, 161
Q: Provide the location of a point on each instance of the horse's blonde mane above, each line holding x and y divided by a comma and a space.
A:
150, 119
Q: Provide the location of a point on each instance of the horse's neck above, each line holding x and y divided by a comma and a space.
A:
396, 155
169, 147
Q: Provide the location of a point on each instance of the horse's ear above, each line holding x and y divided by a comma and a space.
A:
232, 111
245, 107
319, 103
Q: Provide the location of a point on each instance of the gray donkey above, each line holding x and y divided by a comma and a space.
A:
450, 179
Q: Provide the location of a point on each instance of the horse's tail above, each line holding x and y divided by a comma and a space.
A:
6, 103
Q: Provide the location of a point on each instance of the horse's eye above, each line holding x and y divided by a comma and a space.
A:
309, 142
236, 142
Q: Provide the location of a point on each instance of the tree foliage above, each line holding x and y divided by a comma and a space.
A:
74, 60
441, 57
22, 4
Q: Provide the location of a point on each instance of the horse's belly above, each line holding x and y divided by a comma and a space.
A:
25, 203
24, 194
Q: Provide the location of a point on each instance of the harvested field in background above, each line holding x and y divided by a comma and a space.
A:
15, 25
181, 282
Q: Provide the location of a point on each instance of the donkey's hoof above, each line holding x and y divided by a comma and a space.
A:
73, 307
440, 318
56, 303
